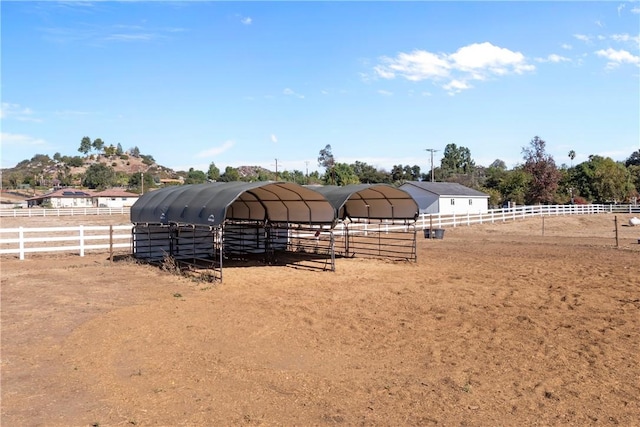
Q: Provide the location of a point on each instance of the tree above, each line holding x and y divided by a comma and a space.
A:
99, 176
119, 151
633, 159
65, 176
75, 161
342, 175
369, 174
327, 161
213, 174
230, 174
456, 160
98, 144
543, 171
514, 186
195, 177
110, 150
495, 174
57, 157
634, 172
136, 179
600, 179
85, 145
135, 151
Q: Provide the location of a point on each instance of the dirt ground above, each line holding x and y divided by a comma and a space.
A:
495, 325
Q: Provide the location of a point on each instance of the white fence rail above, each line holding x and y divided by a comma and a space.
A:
106, 238
36, 212
103, 238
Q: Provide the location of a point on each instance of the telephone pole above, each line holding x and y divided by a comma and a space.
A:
431, 150
276, 169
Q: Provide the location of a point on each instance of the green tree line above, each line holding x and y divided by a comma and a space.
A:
537, 180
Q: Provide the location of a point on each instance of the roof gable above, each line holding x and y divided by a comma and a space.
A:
446, 189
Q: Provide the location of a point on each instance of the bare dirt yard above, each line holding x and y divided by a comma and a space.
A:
495, 325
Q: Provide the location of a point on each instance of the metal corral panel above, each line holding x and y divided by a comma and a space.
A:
193, 243
151, 242
154, 242
253, 239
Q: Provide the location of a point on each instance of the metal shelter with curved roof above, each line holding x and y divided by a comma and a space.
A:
374, 220
212, 204
370, 201
205, 223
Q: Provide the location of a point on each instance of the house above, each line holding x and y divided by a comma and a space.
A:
63, 198
446, 197
114, 198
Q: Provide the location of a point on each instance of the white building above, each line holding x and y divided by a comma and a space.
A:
114, 198
63, 198
446, 197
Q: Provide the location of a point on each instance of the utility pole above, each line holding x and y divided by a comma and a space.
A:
276, 169
306, 162
141, 183
431, 150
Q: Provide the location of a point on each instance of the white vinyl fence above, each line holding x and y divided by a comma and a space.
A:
23, 240
35, 212
103, 238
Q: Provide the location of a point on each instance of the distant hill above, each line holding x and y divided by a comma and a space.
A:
43, 171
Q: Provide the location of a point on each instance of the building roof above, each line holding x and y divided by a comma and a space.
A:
370, 201
115, 192
446, 189
213, 203
64, 193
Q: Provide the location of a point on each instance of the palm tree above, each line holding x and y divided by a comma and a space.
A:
572, 155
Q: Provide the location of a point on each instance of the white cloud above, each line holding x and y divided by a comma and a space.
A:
635, 10
582, 37
625, 38
618, 57
554, 58
246, 21
477, 61
274, 139
17, 112
456, 86
385, 92
599, 23
566, 46
227, 145
415, 66
18, 139
487, 58
621, 8
290, 92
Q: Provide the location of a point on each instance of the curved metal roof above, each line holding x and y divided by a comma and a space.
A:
371, 201
213, 203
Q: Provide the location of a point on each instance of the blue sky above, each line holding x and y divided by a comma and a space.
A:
246, 83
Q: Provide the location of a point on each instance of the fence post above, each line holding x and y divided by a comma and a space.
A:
111, 243
21, 242
81, 240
